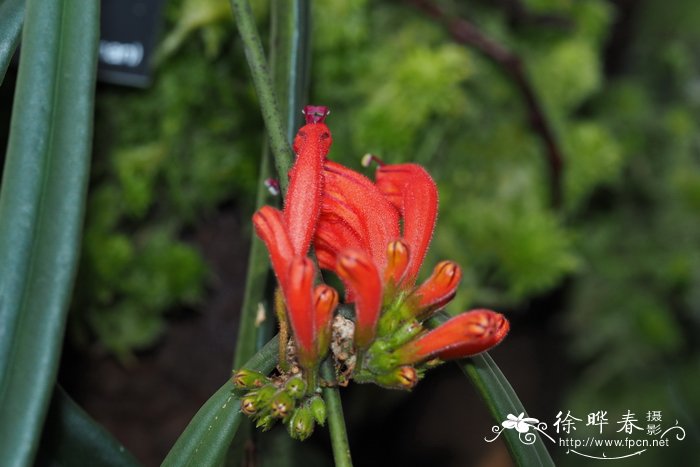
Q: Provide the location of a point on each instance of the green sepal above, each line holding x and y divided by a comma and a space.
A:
265, 422
296, 387
281, 405
318, 409
249, 379
301, 424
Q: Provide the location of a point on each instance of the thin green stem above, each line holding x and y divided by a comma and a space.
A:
336, 420
256, 278
255, 55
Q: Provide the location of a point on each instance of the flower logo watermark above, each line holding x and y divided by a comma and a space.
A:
522, 425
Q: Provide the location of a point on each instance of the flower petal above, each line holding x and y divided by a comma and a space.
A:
356, 268
300, 308
303, 201
270, 227
414, 193
462, 336
334, 234
355, 199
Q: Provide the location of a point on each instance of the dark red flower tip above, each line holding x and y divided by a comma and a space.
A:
463, 336
359, 272
414, 193
315, 113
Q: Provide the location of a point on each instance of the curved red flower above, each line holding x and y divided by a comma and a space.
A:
287, 235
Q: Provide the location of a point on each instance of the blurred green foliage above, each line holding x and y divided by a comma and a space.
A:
165, 158
624, 110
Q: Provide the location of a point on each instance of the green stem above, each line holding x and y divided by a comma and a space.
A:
336, 420
501, 400
289, 59
256, 279
255, 56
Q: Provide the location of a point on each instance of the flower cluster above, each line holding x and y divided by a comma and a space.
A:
374, 237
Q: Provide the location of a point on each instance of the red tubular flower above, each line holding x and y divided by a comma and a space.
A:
356, 268
270, 227
300, 303
463, 336
359, 215
288, 234
303, 201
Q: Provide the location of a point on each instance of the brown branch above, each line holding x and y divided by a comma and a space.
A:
467, 33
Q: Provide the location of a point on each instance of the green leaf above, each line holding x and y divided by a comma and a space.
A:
71, 437
11, 15
206, 439
41, 210
501, 400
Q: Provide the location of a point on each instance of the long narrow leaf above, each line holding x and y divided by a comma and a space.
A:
501, 400
41, 210
290, 60
71, 437
11, 16
208, 435
281, 149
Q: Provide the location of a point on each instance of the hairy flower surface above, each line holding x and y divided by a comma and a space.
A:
287, 235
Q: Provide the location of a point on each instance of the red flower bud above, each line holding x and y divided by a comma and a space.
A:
397, 261
325, 301
438, 289
462, 336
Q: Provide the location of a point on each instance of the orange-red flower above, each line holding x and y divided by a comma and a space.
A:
375, 237
288, 234
464, 335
